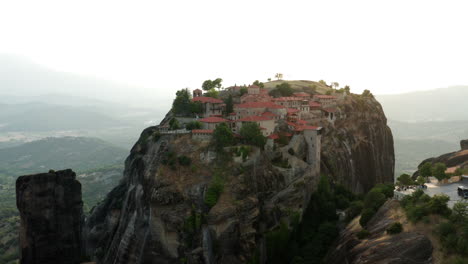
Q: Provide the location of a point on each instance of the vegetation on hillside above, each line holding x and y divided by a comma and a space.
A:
452, 229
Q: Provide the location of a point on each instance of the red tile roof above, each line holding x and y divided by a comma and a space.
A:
213, 119
205, 99
253, 119
202, 131
303, 122
273, 136
197, 90
253, 86
268, 114
315, 104
324, 96
292, 110
258, 105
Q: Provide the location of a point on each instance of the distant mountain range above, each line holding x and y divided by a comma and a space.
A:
77, 153
447, 104
426, 124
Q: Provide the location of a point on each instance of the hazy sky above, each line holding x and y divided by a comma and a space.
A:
385, 46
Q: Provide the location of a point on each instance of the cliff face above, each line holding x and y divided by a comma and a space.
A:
50, 208
159, 212
358, 150
379, 247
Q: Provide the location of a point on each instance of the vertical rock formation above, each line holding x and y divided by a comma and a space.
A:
464, 144
51, 213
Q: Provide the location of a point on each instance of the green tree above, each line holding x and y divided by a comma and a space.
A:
229, 104
174, 124
252, 134
374, 199
193, 125
243, 91
438, 170
212, 93
222, 136
335, 84
366, 216
182, 103
347, 89
323, 82
460, 212
212, 84
426, 169
259, 84
207, 85
458, 172
405, 180
283, 89
420, 180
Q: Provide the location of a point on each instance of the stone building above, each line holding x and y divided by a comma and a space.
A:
212, 122
211, 106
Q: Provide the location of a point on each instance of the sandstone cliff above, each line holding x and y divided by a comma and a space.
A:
379, 247
358, 149
50, 208
159, 214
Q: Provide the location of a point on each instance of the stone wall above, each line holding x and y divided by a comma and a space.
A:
464, 144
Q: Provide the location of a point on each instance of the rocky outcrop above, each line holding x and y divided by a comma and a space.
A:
457, 159
159, 214
358, 148
51, 214
379, 247
464, 144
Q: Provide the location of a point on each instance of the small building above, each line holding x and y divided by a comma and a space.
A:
197, 93
211, 106
266, 124
326, 100
202, 134
212, 122
330, 114
303, 95
253, 89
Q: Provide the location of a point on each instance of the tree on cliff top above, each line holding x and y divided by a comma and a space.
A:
252, 134
222, 136
229, 104
183, 105
405, 180
212, 84
283, 89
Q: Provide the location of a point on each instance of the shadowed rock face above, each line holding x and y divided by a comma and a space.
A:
358, 150
464, 144
51, 213
380, 248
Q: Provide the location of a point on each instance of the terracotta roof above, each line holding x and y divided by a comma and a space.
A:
258, 105
324, 96
232, 114
303, 122
213, 119
270, 114
253, 119
197, 90
292, 110
253, 86
315, 104
205, 99
329, 110
202, 131
301, 94
284, 99
262, 128
273, 136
